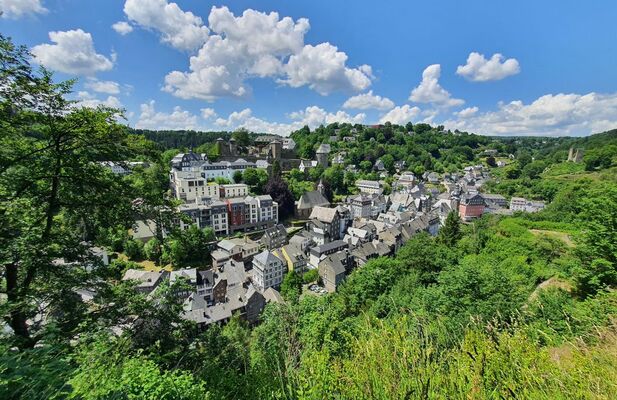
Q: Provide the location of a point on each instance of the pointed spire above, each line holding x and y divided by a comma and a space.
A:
321, 188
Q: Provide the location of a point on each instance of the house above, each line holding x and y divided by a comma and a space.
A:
369, 250
234, 190
241, 300
322, 154
237, 249
369, 187
338, 159
302, 240
146, 281
143, 230
522, 204
305, 165
308, 201
400, 165
379, 166
192, 165
391, 237
116, 168
361, 206
294, 256
471, 206
273, 296
188, 276
333, 269
495, 200
324, 224
213, 215
289, 143
432, 177
317, 253
274, 237
268, 270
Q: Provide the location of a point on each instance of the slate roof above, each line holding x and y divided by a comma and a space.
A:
312, 199
323, 214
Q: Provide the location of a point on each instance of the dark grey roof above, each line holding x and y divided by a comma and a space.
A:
312, 199
329, 246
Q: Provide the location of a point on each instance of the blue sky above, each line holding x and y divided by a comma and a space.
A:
491, 67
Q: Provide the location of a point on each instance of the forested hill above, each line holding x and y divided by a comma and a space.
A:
181, 139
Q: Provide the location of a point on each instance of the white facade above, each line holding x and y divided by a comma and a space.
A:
268, 270
522, 204
234, 190
191, 187
370, 187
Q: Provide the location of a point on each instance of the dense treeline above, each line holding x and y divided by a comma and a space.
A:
181, 139
506, 307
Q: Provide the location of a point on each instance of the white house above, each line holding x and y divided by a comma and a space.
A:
268, 270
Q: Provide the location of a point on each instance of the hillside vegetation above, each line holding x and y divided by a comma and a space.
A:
520, 307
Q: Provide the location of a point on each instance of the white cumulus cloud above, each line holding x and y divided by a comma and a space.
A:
323, 68
207, 113
73, 53
479, 69
85, 99
312, 116
467, 112
178, 119
254, 44
17, 8
122, 27
109, 87
367, 101
400, 115
261, 45
182, 30
551, 115
430, 91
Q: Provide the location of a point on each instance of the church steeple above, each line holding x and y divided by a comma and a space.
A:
321, 188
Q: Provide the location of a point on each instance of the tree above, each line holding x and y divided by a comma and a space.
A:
189, 247
55, 194
279, 191
310, 276
256, 179
276, 168
450, 233
490, 161
238, 176
134, 249
291, 287
153, 250
241, 136
335, 178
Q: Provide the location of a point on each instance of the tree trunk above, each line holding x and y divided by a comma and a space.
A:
17, 318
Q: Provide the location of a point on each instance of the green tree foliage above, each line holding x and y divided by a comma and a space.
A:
450, 233
241, 136
291, 286
256, 179
516, 306
54, 194
189, 247
600, 158
238, 177
106, 372
310, 276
